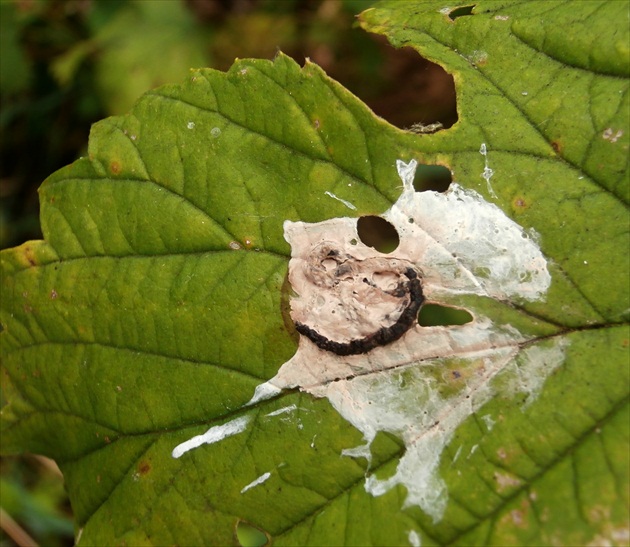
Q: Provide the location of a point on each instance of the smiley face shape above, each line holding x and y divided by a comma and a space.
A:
350, 305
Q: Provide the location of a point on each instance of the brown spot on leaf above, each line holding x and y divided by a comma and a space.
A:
520, 203
115, 168
144, 467
28, 254
557, 146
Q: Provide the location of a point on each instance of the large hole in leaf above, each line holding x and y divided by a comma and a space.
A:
432, 177
377, 233
435, 315
460, 12
250, 536
398, 84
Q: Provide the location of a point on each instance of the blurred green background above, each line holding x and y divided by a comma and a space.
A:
65, 64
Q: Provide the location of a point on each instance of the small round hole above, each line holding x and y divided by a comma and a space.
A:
432, 177
434, 315
377, 233
250, 536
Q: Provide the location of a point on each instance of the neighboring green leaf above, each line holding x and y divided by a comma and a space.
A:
157, 301
147, 42
15, 69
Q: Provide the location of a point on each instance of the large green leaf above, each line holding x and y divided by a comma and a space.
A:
157, 302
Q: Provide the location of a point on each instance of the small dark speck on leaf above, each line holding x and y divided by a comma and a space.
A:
28, 254
115, 168
519, 203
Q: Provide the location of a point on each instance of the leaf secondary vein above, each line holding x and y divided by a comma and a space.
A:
144, 182
188, 360
276, 142
559, 459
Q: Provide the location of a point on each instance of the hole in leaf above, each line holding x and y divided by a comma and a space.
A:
377, 233
460, 12
250, 536
397, 84
432, 177
435, 315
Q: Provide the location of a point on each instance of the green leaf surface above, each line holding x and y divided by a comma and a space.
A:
158, 299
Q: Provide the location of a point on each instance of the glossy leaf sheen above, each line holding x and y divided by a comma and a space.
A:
157, 301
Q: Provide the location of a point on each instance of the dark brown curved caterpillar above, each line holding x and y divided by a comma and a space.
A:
384, 335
